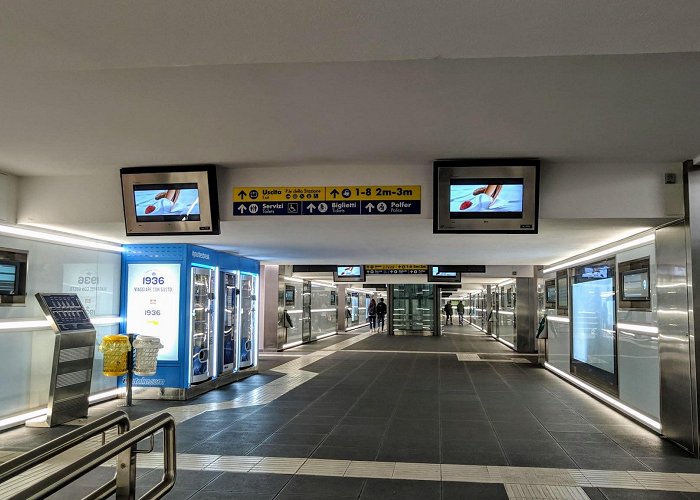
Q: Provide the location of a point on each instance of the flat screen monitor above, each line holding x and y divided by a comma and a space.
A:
289, 295
437, 274
170, 200
349, 274
486, 195
8, 279
635, 285
550, 293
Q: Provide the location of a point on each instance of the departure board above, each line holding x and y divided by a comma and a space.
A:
64, 311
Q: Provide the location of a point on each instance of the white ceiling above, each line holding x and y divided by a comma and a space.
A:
90, 86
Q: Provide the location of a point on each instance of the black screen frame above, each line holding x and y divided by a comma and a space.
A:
203, 175
623, 289
445, 171
443, 279
350, 279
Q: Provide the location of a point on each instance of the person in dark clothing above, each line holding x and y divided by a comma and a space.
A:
448, 314
381, 312
460, 312
372, 315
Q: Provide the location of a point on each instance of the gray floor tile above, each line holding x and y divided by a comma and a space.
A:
312, 486
481, 491
387, 489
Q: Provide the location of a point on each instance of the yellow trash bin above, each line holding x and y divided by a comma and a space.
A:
114, 348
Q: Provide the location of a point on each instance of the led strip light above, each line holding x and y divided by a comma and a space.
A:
631, 412
60, 239
580, 260
13, 421
36, 324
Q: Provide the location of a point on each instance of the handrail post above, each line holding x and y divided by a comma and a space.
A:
126, 474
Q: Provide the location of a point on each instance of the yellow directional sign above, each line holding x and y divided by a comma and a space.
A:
395, 267
351, 193
327, 200
287, 193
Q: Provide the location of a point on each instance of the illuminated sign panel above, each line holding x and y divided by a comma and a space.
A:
154, 303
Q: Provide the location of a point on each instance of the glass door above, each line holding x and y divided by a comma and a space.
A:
202, 323
248, 320
413, 309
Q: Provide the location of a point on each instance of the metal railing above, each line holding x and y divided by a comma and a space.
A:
124, 446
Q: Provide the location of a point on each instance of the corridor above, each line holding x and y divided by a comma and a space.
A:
362, 416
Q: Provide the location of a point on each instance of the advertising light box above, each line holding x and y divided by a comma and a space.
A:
153, 305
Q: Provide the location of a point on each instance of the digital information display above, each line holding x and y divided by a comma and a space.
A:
442, 274
8, 279
483, 198
593, 305
153, 305
166, 202
635, 285
349, 271
66, 311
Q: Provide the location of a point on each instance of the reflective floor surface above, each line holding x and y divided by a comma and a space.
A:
371, 416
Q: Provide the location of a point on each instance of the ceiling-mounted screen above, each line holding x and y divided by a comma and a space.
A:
349, 274
485, 196
170, 200
435, 273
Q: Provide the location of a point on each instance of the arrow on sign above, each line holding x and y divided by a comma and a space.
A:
242, 194
311, 207
334, 193
242, 209
369, 207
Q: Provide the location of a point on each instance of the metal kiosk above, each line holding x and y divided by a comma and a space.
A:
74, 350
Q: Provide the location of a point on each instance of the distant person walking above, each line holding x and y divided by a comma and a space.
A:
448, 313
381, 312
460, 312
372, 315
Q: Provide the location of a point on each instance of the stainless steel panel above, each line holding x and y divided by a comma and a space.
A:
525, 314
676, 385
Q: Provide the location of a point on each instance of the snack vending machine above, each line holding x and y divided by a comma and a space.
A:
202, 306
248, 320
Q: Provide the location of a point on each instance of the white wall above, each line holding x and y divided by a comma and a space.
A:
8, 198
26, 367
568, 190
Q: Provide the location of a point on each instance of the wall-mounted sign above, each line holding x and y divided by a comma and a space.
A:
328, 200
396, 269
153, 304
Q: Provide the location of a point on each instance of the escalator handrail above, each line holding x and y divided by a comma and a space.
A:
33, 457
127, 441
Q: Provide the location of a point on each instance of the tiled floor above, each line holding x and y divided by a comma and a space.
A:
365, 416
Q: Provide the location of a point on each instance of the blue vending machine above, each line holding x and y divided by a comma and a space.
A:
168, 292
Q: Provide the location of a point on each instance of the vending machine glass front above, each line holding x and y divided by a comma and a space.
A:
249, 319
202, 323
229, 314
